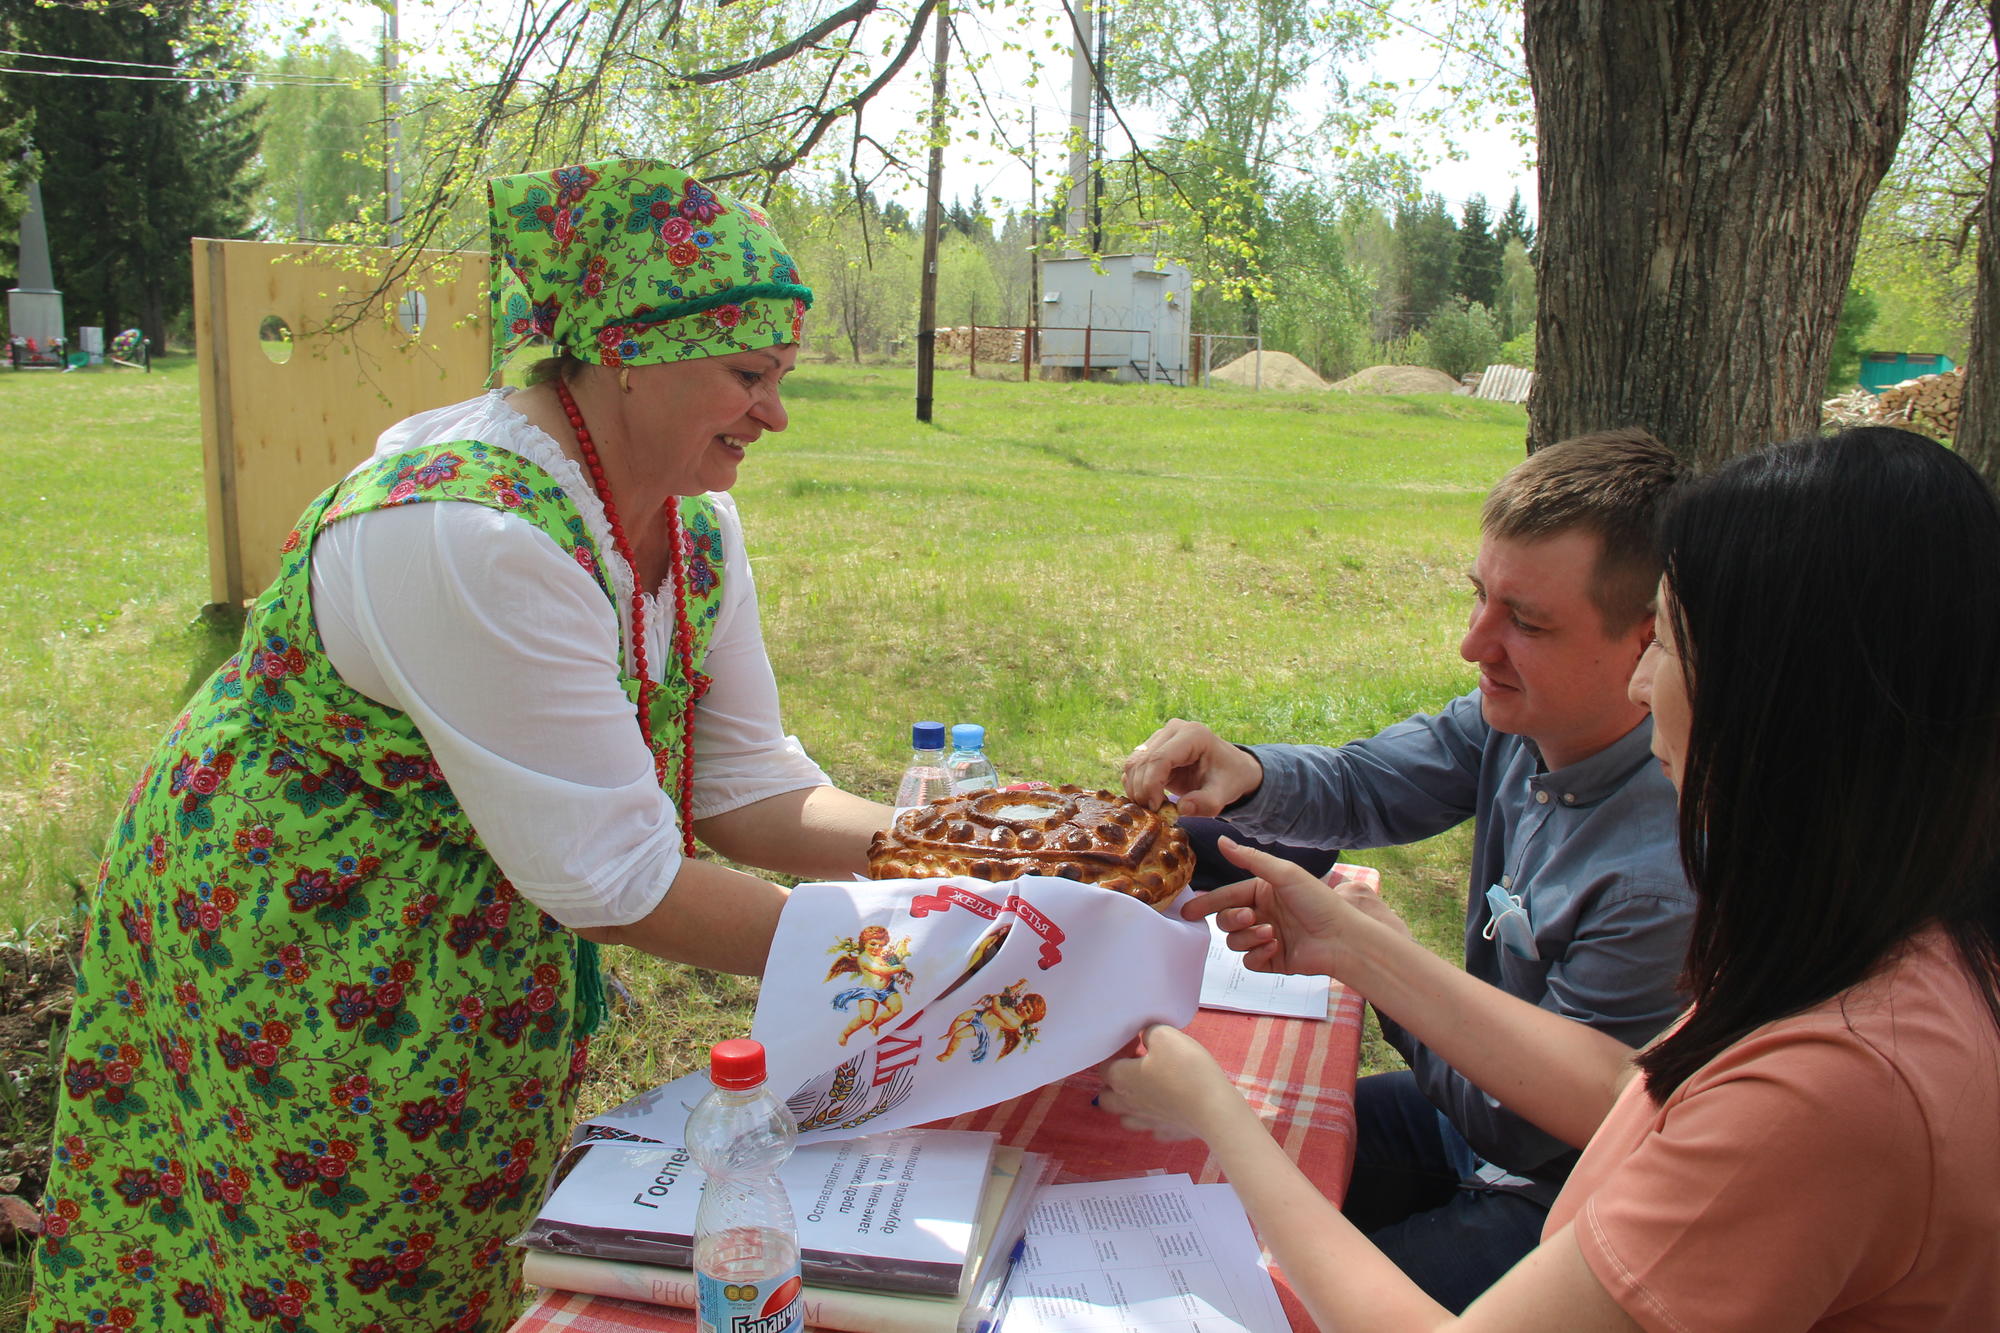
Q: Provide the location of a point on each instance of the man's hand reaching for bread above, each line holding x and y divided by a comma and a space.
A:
1202, 771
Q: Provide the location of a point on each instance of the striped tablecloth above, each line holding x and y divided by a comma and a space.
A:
1298, 1073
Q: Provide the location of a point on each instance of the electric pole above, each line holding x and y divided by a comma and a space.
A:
392, 133
927, 298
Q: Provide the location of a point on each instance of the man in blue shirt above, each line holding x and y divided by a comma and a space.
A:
1577, 898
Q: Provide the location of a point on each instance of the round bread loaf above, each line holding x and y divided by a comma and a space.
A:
1092, 837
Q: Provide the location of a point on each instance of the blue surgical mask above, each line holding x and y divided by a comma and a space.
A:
1509, 923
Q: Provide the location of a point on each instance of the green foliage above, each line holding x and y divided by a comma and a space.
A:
1370, 241
133, 170
1515, 309
1479, 255
17, 162
1428, 269
1919, 243
1462, 338
1514, 224
1228, 77
865, 295
968, 292
1412, 349
321, 155
1319, 304
1224, 72
1518, 350
1857, 314
968, 220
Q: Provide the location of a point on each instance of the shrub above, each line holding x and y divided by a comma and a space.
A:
1462, 338
1519, 351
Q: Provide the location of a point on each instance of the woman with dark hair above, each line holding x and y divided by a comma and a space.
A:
1816, 1143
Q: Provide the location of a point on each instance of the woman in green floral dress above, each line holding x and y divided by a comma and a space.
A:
341, 972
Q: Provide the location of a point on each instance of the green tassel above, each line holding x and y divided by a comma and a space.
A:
775, 291
591, 1005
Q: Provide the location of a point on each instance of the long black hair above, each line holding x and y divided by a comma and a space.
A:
1836, 604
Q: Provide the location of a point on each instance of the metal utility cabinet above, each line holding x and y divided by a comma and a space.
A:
1123, 317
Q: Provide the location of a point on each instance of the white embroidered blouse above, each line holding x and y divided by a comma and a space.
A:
505, 654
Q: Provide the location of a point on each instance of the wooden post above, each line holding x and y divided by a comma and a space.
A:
225, 532
927, 295
972, 355
1027, 350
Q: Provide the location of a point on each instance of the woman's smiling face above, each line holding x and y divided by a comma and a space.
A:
695, 420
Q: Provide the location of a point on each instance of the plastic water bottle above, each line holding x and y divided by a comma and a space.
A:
925, 778
967, 763
746, 1242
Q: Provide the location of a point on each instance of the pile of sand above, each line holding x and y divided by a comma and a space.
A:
1269, 370
1398, 379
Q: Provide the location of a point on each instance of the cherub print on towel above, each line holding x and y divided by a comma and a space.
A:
880, 966
1012, 1014
974, 971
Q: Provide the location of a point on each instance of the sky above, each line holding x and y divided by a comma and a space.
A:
1483, 160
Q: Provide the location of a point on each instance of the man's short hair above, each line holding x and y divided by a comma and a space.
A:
1611, 483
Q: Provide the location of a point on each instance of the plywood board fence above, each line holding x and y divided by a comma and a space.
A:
285, 413
1505, 384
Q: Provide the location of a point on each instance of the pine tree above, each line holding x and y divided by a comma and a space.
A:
132, 171
1514, 225
16, 156
1479, 251
1428, 240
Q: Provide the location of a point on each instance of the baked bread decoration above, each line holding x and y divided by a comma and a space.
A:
1092, 837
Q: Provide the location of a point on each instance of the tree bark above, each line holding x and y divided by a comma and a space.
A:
1978, 438
1704, 169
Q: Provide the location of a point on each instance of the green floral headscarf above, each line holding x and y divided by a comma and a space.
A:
632, 262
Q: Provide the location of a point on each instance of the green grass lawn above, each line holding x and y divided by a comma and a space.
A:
1068, 564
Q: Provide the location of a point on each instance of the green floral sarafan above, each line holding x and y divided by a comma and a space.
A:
631, 262
323, 1054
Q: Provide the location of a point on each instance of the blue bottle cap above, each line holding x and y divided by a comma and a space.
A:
927, 736
968, 736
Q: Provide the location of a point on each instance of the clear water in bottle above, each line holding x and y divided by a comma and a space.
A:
967, 763
746, 1241
925, 778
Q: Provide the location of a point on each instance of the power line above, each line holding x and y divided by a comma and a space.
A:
179, 75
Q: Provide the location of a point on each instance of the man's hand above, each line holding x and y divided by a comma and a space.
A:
1203, 771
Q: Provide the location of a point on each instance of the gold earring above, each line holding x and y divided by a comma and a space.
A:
625, 378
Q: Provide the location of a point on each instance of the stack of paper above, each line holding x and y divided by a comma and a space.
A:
1159, 1253
898, 1233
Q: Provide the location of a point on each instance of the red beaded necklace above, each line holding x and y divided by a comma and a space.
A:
683, 631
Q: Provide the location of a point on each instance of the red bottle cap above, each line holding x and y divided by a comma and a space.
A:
736, 1064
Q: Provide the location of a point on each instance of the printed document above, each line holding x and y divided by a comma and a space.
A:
1159, 1254
1227, 984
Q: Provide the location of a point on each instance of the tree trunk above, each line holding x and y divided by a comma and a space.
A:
1704, 169
1978, 437
153, 317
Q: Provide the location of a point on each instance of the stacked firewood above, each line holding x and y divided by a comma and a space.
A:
995, 344
1928, 403
1856, 407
